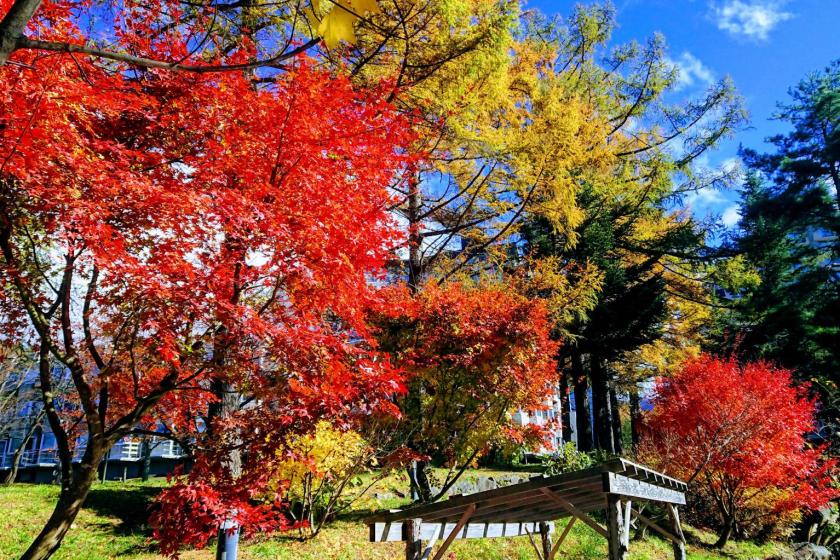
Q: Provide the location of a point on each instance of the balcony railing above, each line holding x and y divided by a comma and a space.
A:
124, 450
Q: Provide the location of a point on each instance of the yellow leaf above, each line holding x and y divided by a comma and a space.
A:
312, 18
337, 25
363, 6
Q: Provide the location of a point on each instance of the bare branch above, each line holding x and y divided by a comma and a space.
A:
143, 62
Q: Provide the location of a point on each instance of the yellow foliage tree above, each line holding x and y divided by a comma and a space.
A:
650, 308
315, 470
500, 135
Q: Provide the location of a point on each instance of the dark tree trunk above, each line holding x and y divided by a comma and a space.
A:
227, 405
616, 422
635, 416
726, 532
227, 396
565, 415
13, 25
12, 475
146, 453
415, 257
421, 488
584, 428
74, 490
601, 405
74, 485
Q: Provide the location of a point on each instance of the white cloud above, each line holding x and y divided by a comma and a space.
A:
691, 71
714, 201
733, 168
731, 216
732, 165
751, 19
704, 198
709, 201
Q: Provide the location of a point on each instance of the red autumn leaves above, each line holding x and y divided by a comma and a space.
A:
737, 432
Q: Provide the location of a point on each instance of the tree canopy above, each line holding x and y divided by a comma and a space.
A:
268, 229
786, 300
740, 433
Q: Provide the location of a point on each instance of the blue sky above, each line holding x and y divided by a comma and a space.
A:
766, 46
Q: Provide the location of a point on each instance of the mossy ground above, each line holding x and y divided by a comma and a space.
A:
113, 525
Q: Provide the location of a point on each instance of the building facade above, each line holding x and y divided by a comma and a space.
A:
23, 424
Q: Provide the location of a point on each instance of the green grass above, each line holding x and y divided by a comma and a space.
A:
113, 525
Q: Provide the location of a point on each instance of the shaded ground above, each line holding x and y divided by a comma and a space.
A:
113, 525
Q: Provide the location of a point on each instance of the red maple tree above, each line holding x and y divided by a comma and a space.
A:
474, 356
171, 238
739, 433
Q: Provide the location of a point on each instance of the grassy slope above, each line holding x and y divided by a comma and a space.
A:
112, 525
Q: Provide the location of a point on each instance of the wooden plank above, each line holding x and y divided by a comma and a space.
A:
523, 508
539, 499
588, 504
454, 533
430, 544
561, 538
576, 512
547, 509
633, 488
521, 500
385, 531
634, 470
534, 546
569, 479
452, 508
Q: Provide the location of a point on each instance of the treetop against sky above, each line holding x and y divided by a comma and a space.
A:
764, 45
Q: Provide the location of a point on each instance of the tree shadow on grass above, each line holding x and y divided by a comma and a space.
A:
130, 507
358, 515
694, 539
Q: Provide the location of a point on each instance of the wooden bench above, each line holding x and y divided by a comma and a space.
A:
531, 508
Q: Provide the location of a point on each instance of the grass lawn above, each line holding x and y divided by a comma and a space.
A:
113, 525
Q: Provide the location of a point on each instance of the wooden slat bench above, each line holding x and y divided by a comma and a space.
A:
531, 508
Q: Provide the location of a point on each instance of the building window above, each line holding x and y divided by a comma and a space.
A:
169, 448
130, 449
5, 454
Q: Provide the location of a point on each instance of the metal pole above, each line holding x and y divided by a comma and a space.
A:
415, 495
228, 543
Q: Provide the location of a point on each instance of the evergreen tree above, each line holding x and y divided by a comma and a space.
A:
630, 306
789, 236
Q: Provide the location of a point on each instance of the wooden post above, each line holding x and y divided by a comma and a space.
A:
628, 508
570, 507
413, 543
616, 528
546, 540
561, 538
465, 517
661, 530
679, 543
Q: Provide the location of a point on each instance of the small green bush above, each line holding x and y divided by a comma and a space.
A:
567, 459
